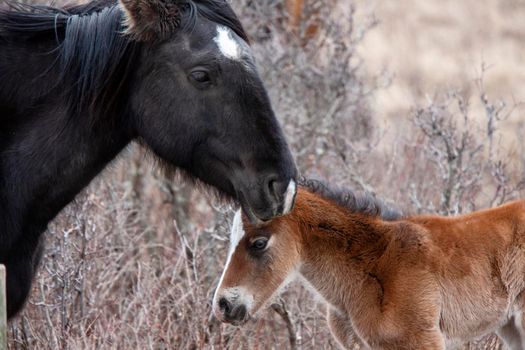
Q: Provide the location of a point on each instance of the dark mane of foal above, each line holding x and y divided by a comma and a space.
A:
92, 53
355, 202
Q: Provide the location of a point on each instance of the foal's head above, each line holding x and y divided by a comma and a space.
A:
261, 260
199, 103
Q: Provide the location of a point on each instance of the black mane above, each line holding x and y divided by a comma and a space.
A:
355, 202
90, 55
92, 52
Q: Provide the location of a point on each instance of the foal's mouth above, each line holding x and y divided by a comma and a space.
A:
239, 323
238, 317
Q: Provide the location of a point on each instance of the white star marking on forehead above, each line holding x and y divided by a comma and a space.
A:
229, 46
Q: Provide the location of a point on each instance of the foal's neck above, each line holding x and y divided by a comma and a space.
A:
340, 249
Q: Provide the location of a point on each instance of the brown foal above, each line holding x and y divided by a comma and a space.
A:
390, 282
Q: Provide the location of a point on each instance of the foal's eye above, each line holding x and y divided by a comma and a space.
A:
259, 244
200, 76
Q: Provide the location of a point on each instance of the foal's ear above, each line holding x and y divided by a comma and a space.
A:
152, 19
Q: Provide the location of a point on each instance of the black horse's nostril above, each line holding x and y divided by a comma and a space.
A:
264, 198
225, 306
272, 187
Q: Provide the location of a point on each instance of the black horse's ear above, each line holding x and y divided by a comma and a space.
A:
148, 20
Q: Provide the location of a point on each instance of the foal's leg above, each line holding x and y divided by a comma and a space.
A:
513, 333
341, 328
20, 267
428, 340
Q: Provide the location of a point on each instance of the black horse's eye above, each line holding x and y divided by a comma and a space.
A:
200, 76
259, 244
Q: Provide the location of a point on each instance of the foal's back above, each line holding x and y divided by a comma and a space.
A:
478, 260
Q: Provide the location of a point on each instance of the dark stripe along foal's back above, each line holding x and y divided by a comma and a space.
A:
390, 282
78, 84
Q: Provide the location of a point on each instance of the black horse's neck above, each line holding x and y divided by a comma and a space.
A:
64, 79
48, 160
46, 163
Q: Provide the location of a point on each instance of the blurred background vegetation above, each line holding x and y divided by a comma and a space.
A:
418, 102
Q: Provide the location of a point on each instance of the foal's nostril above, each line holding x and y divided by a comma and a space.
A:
225, 306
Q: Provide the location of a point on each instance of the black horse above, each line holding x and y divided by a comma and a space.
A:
78, 84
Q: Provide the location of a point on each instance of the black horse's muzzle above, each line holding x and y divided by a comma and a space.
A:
271, 198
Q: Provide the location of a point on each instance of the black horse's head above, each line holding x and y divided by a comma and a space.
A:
199, 103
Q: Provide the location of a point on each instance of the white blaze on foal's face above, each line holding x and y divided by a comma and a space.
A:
260, 261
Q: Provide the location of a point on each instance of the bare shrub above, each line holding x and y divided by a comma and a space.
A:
133, 262
461, 158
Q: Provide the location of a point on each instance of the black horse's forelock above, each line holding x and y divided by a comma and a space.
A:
218, 12
364, 203
92, 52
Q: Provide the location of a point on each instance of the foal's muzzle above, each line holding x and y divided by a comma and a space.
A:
230, 313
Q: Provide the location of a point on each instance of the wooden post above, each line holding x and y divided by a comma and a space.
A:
3, 310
